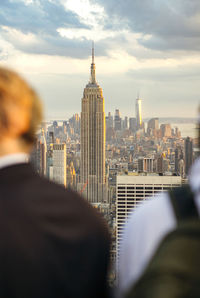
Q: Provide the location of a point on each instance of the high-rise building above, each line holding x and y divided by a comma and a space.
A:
51, 137
146, 165
93, 185
132, 124
160, 165
75, 123
178, 157
71, 176
55, 127
188, 154
50, 161
39, 155
166, 130
138, 109
118, 120
125, 123
110, 132
59, 163
132, 190
43, 154
109, 121
153, 125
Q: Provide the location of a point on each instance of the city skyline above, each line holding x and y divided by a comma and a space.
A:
49, 43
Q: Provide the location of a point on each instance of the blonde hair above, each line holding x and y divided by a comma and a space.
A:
13, 89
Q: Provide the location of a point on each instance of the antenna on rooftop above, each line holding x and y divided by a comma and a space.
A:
93, 52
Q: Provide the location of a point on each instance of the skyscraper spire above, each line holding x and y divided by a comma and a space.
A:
93, 75
93, 52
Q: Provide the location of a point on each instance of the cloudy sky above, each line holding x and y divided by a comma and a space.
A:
150, 47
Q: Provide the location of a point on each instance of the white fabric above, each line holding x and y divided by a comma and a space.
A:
145, 230
12, 159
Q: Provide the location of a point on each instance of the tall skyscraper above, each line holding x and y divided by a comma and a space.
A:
118, 120
138, 109
132, 124
109, 121
125, 123
153, 125
188, 154
93, 185
166, 130
59, 163
178, 157
38, 155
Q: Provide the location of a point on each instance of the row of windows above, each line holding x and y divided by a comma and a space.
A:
130, 203
143, 188
127, 209
148, 185
132, 198
136, 195
139, 198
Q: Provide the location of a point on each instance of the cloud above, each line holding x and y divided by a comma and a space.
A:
143, 29
37, 17
46, 44
33, 27
173, 75
169, 24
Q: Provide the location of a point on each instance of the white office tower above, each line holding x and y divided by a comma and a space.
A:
138, 110
133, 190
59, 163
93, 185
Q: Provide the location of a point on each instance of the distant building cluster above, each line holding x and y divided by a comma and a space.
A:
52, 157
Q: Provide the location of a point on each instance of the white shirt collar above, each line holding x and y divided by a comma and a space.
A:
13, 159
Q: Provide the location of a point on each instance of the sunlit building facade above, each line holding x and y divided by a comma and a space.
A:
92, 177
138, 109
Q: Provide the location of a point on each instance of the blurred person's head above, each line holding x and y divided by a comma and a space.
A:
20, 113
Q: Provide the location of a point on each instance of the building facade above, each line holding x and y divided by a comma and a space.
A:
188, 154
92, 176
138, 109
153, 126
39, 155
132, 191
118, 121
166, 130
146, 165
59, 164
132, 124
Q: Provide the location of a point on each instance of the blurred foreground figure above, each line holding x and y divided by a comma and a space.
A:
160, 251
52, 243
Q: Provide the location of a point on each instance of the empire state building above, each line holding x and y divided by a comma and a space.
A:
93, 185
